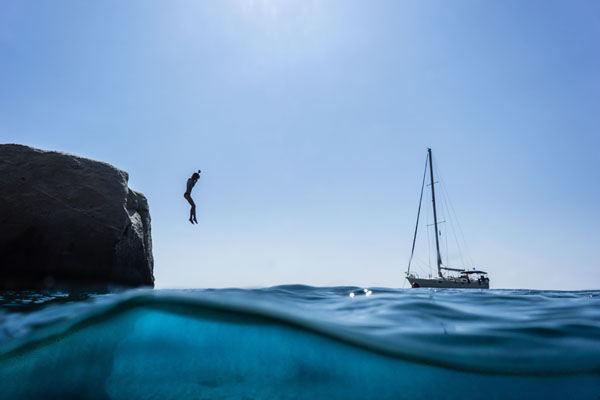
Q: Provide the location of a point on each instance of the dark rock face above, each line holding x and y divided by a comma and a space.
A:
69, 220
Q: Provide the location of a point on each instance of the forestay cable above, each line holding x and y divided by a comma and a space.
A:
412, 252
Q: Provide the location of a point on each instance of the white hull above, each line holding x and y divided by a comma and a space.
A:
455, 283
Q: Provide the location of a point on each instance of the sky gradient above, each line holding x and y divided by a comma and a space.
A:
310, 121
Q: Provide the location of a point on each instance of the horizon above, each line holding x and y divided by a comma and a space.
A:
310, 122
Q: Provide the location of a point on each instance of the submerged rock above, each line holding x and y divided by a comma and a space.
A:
67, 220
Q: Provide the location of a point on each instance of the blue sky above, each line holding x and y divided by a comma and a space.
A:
311, 120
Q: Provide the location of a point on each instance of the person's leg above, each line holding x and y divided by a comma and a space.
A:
192, 209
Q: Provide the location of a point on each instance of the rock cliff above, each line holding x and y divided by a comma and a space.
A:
70, 221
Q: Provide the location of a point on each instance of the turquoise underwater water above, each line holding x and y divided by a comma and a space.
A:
300, 342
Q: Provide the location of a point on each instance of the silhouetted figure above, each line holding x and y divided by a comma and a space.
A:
188, 195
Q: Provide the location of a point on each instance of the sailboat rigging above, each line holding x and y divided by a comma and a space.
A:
466, 279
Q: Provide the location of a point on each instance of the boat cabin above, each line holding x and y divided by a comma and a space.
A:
480, 276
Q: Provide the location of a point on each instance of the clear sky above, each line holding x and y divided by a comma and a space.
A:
310, 121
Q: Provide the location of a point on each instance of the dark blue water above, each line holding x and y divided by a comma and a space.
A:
299, 342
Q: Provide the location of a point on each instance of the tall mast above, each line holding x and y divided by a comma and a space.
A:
437, 240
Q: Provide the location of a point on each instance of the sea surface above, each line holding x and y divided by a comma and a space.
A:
300, 342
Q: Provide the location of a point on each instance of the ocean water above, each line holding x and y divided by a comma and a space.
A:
300, 342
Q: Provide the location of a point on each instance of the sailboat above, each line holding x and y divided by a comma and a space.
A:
447, 277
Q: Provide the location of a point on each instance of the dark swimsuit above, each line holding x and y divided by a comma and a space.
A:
190, 192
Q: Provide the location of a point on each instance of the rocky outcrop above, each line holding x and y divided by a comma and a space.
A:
67, 220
